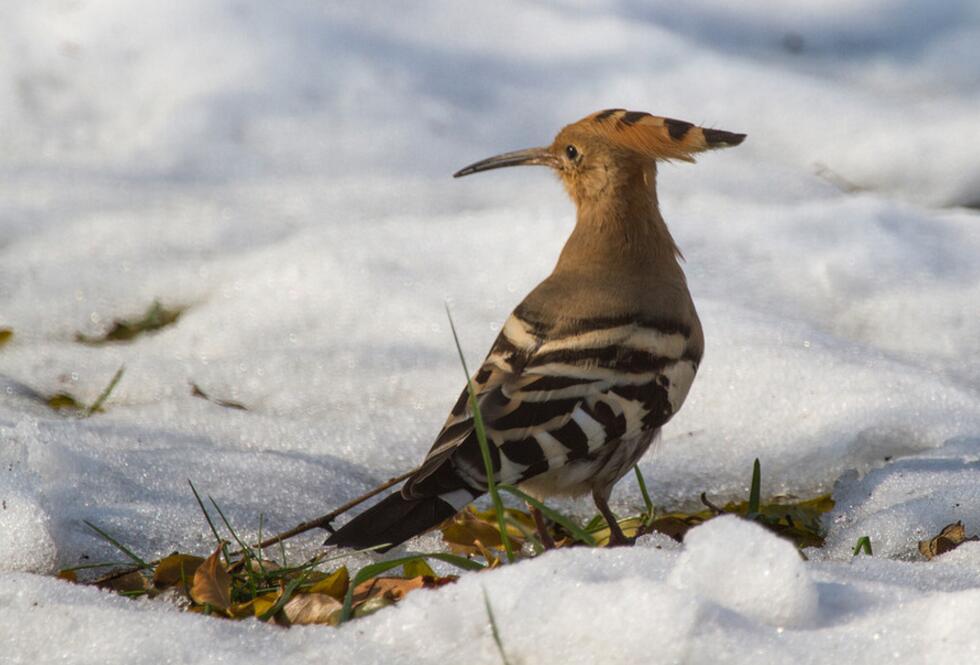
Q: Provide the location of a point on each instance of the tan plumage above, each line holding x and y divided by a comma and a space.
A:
595, 359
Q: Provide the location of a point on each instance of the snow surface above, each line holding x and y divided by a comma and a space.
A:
282, 170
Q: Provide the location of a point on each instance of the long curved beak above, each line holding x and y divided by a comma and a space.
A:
541, 156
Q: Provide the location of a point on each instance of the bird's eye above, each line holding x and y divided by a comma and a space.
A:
571, 151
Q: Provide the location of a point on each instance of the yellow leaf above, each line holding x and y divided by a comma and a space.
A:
418, 568
241, 610
176, 569
334, 584
264, 603
212, 583
309, 608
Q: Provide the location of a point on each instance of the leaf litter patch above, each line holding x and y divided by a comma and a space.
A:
239, 581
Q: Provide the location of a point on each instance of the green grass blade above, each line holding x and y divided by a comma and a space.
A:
204, 510
493, 628
119, 546
246, 551
755, 490
100, 400
578, 532
481, 437
863, 545
648, 520
375, 569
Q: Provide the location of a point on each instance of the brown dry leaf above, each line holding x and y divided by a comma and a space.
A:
5, 335
393, 587
465, 530
308, 608
672, 526
952, 536
68, 575
130, 581
335, 584
212, 583
176, 569
379, 592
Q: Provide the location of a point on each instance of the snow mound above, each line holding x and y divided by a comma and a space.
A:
745, 568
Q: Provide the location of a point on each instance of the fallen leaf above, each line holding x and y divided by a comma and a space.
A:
126, 582
334, 585
418, 568
310, 608
675, 527
60, 401
5, 335
265, 602
68, 575
372, 605
212, 583
466, 529
176, 569
156, 317
952, 536
392, 587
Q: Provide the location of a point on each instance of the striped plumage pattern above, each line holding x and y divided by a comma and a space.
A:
550, 401
594, 361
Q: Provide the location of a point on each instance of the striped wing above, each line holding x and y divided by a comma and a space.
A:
548, 400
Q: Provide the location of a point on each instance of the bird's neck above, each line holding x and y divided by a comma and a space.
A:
622, 227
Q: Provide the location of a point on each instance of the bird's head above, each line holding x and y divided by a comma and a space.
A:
611, 146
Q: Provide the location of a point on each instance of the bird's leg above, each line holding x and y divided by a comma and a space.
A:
543, 534
616, 535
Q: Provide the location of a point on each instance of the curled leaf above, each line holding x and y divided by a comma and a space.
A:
952, 536
176, 569
212, 583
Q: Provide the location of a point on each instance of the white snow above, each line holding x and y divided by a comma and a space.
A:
282, 170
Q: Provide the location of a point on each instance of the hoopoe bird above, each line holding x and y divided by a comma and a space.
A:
594, 361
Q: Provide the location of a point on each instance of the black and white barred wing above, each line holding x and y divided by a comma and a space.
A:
548, 401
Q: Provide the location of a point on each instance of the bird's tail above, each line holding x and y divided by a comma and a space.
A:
392, 521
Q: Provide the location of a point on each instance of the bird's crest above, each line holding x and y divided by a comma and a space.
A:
654, 136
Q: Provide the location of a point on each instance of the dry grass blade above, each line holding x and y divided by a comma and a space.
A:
196, 391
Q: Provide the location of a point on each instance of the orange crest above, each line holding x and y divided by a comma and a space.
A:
654, 136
